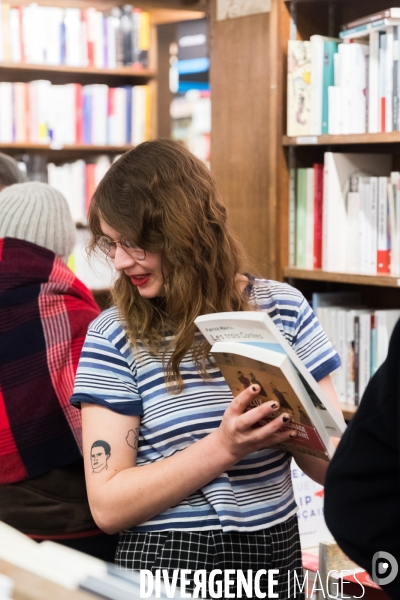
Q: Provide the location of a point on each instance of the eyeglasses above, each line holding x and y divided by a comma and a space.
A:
109, 247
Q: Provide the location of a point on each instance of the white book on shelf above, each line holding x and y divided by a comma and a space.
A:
334, 114
299, 88
373, 83
382, 80
338, 167
78, 191
83, 42
385, 321
383, 250
15, 35
317, 70
394, 233
345, 70
112, 28
54, 24
72, 23
6, 112
358, 57
102, 165
117, 128
20, 112
138, 114
353, 226
99, 92
389, 80
69, 93
364, 223
372, 222
99, 61
309, 236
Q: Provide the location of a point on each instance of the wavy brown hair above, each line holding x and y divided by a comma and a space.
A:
164, 199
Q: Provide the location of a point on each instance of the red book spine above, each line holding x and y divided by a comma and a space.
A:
90, 185
78, 114
383, 114
318, 202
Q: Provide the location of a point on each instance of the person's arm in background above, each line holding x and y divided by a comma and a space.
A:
316, 468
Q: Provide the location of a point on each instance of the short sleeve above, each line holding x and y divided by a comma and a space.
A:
104, 376
312, 345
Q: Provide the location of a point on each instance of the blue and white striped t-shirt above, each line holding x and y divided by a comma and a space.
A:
254, 494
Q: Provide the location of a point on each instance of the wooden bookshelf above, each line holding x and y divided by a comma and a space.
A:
331, 140
348, 411
351, 278
63, 153
84, 75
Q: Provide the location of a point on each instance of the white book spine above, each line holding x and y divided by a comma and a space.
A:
345, 58
373, 83
382, 242
365, 352
72, 21
310, 220
317, 65
353, 216
334, 106
112, 25
382, 81
99, 43
373, 215
358, 87
389, 80
6, 112
15, 35
394, 258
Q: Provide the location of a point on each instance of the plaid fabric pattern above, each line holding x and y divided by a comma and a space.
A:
44, 315
277, 547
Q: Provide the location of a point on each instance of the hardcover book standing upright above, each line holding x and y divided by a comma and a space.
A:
249, 348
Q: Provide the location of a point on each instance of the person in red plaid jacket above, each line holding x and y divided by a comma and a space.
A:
44, 315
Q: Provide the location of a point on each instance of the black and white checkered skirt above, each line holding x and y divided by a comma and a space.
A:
277, 547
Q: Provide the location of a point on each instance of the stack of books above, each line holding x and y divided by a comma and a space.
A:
51, 35
41, 113
347, 85
347, 215
77, 181
361, 337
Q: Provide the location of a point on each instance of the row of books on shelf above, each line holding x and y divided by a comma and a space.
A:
77, 181
75, 37
348, 85
360, 335
39, 112
347, 215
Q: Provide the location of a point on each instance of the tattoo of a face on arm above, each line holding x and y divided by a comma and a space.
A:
132, 438
100, 452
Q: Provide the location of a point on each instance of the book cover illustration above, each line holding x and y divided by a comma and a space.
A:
299, 88
240, 372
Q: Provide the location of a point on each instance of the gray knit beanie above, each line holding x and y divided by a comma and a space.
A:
37, 213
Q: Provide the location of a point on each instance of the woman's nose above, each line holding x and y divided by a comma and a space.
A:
122, 260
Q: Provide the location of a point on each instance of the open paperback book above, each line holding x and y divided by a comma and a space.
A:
249, 349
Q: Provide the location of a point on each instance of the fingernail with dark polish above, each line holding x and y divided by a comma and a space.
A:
285, 419
274, 405
255, 388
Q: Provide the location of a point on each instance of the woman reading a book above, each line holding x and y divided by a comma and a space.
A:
212, 491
